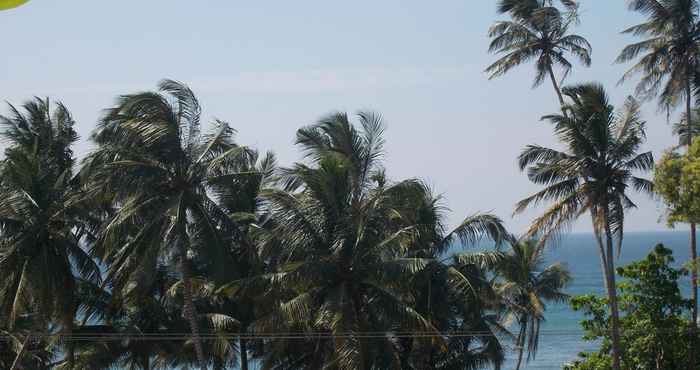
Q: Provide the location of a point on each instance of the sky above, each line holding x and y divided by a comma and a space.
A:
271, 67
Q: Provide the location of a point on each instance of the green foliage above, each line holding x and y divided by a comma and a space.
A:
352, 251
595, 171
525, 286
654, 324
667, 58
677, 180
539, 34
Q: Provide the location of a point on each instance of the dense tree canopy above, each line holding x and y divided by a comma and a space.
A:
654, 320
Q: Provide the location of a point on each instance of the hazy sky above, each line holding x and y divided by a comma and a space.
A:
269, 67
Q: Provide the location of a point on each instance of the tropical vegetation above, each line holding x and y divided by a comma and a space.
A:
590, 177
171, 245
525, 287
668, 61
654, 320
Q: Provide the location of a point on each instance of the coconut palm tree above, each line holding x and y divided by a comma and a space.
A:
541, 36
526, 285
592, 174
42, 229
240, 197
344, 268
668, 61
453, 292
159, 169
457, 296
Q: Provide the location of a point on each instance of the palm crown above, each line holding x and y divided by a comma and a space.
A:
526, 285
159, 170
43, 228
543, 37
597, 167
669, 54
350, 248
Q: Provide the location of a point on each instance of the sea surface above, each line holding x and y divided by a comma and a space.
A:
560, 339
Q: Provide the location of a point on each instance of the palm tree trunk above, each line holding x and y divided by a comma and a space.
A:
556, 87
18, 358
693, 243
188, 311
601, 252
244, 353
612, 292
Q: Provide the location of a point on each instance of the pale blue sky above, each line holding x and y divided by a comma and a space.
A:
269, 67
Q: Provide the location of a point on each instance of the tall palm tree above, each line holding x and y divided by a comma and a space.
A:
526, 285
541, 35
159, 169
344, 266
42, 230
669, 62
591, 175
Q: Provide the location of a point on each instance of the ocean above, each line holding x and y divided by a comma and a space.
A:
560, 339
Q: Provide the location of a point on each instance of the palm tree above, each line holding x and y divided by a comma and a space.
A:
453, 292
159, 169
344, 269
457, 296
542, 36
591, 175
240, 197
525, 286
41, 227
668, 65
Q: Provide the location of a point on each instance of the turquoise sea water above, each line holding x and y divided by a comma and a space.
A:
561, 336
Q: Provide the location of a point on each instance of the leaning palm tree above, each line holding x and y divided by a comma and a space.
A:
592, 175
159, 169
542, 37
668, 65
345, 271
41, 229
525, 286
